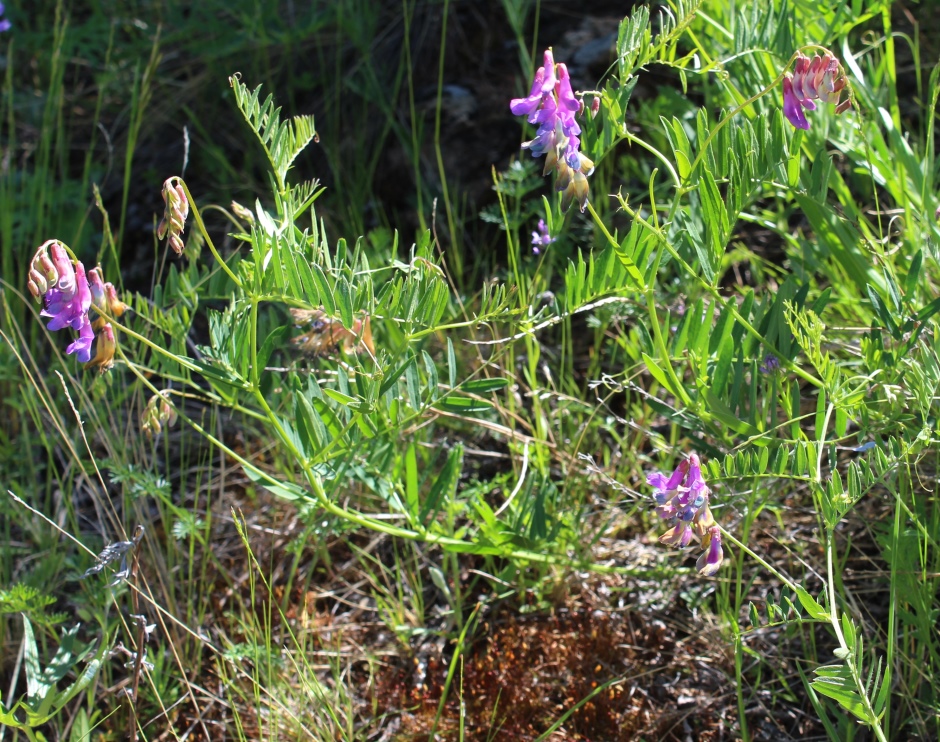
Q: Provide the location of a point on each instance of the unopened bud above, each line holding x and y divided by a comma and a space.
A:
175, 213
116, 307
37, 280
44, 265
242, 213
156, 414
65, 272
595, 106
96, 286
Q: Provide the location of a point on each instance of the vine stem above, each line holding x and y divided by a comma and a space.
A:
205, 233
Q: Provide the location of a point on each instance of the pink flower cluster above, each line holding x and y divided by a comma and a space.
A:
682, 498
552, 105
67, 296
819, 78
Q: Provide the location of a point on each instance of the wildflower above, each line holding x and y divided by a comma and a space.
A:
682, 498
104, 299
771, 363
81, 346
67, 295
552, 105
242, 212
710, 560
541, 238
819, 78
595, 106
156, 414
175, 213
104, 352
4, 23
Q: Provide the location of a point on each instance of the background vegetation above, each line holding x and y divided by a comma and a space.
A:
451, 534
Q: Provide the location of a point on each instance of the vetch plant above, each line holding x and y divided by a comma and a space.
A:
68, 295
552, 105
820, 78
682, 499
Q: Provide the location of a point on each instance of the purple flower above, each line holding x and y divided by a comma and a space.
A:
68, 294
791, 105
68, 302
81, 346
710, 560
542, 86
819, 78
541, 238
682, 499
552, 105
770, 364
4, 23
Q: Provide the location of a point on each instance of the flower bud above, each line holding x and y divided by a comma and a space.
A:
242, 213
44, 265
158, 412
116, 307
96, 286
65, 272
104, 351
174, 215
37, 281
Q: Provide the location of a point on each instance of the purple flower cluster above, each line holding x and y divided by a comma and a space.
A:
682, 498
68, 294
5, 25
541, 237
819, 78
770, 365
552, 105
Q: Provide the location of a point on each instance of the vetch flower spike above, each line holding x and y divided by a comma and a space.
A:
552, 105
175, 213
820, 78
682, 499
67, 296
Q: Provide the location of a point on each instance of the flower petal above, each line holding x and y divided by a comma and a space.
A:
792, 108
81, 346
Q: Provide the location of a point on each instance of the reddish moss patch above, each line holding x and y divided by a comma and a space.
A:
525, 674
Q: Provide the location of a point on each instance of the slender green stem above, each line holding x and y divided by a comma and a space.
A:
648, 291
253, 371
205, 233
726, 534
664, 356
677, 181
364, 521
721, 124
